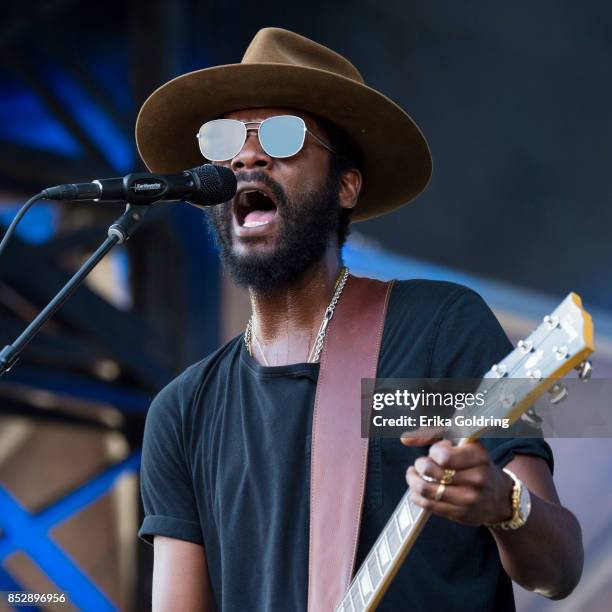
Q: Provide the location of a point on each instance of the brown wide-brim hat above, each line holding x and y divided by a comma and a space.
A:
283, 69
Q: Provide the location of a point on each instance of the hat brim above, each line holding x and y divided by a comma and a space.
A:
397, 162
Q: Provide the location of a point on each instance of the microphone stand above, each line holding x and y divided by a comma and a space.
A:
120, 231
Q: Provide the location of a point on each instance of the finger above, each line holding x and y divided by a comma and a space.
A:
463, 497
422, 486
410, 440
441, 508
423, 436
426, 466
459, 457
476, 477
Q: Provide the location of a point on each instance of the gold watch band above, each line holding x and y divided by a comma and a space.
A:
519, 515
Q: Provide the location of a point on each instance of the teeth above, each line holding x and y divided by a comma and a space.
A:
255, 223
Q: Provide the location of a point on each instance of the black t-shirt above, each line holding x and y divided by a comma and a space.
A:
226, 464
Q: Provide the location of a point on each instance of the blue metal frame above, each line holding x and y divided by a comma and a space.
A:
30, 533
75, 112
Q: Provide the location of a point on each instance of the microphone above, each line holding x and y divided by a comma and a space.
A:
205, 185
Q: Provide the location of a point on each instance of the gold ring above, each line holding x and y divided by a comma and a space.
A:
440, 491
448, 476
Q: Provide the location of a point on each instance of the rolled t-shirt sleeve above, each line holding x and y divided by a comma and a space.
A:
469, 341
166, 484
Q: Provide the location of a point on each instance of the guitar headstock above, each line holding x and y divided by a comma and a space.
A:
563, 341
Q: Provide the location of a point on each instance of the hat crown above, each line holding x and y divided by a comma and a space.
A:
278, 46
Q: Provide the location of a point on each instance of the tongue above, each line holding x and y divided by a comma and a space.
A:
259, 216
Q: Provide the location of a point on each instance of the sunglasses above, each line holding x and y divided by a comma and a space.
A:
281, 136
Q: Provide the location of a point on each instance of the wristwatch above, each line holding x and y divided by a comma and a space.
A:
521, 505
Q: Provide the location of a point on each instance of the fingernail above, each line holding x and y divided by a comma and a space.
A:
439, 455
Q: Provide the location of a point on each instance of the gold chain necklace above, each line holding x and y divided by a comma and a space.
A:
317, 347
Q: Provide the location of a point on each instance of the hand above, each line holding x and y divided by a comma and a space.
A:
480, 491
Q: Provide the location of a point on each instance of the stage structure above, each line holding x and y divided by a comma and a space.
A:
72, 409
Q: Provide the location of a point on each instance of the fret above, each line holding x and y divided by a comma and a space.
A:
374, 554
408, 505
415, 511
397, 526
355, 595
385, 552
350, 600
375, 573
404, 519
365, 585
347, 597
394, 538
346, 605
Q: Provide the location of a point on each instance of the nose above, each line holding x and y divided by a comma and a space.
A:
251, 155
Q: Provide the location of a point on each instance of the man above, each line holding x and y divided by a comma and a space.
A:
226, 455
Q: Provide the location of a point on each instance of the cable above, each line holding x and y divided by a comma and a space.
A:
22, 211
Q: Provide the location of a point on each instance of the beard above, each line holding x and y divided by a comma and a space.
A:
306, 226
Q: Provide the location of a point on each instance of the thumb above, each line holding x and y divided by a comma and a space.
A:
423, 436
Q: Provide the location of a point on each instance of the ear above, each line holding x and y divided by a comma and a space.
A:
350, 187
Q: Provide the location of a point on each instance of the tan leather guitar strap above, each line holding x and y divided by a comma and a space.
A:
339, 454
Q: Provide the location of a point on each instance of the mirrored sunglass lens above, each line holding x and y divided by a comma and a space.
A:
282, 136
221, 139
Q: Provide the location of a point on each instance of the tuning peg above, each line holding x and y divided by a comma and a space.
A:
526, 346
499, 370
531, 417
552, 321
558, 393
508, 400
584, 369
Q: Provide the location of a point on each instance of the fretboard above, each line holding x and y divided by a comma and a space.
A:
385, 558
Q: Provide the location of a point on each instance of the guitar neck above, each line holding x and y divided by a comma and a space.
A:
380, 566
388, 553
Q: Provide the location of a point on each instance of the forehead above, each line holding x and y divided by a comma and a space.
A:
259, 114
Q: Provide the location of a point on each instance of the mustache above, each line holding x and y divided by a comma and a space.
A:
257, 176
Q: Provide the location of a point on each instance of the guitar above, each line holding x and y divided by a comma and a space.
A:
562, 342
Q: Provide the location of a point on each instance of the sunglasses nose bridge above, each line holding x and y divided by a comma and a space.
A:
252, 153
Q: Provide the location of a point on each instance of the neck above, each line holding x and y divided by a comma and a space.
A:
286, 322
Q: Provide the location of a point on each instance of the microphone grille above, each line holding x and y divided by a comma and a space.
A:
217, 185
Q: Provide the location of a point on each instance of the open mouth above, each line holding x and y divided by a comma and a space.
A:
254, 208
